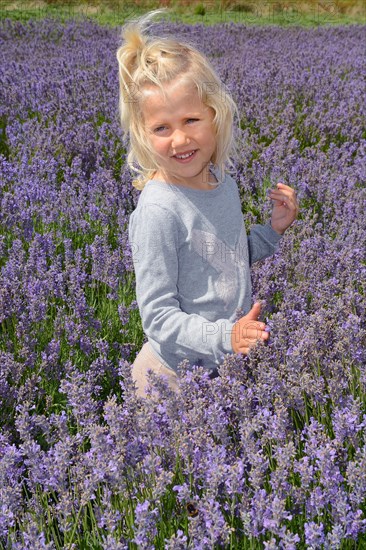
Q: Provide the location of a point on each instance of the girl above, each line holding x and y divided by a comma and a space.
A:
191, 252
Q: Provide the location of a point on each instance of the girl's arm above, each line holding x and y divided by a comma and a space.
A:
262, 242
154, 239
263, 239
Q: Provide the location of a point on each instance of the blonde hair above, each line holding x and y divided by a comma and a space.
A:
148, 60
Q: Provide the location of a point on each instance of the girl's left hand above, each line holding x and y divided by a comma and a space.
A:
285, 207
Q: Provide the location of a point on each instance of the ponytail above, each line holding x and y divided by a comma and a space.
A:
128, 56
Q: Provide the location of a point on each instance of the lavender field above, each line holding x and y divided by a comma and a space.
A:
272, 453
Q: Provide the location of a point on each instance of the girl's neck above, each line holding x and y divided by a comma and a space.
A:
204, 186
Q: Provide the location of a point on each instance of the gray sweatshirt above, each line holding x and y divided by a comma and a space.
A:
191, 257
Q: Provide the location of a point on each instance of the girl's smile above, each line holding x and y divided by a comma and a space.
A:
185, 157
181, 133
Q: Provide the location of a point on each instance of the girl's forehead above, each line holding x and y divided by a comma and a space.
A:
175, 95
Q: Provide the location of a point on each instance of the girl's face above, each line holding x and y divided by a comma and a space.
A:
181, 133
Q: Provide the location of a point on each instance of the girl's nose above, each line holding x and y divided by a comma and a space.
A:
179, 138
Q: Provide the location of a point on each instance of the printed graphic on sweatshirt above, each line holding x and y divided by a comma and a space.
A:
228, 262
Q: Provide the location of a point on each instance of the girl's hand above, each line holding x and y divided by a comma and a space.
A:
248, 330
285, 207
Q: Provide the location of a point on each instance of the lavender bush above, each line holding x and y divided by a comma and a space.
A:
272, 453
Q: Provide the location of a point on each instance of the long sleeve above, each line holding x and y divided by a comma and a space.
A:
154, 234
262, 242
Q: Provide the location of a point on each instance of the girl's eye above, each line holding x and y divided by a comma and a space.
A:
162, 128
159, 129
